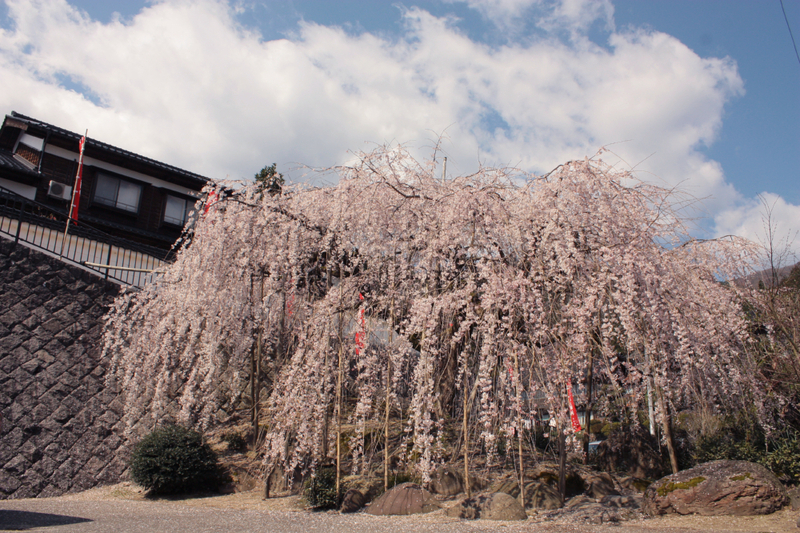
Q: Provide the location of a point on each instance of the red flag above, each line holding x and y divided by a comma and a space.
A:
576, 424
361, 335
212, 198
76, 192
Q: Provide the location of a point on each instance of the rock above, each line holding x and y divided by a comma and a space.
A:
404, 499
506, 486
630, 450
794, 498
717, 488
579, 501
447, 481
585, 510
494, 506
621, 502
548, 473
599, 485
634, 484
353, 501
541, 496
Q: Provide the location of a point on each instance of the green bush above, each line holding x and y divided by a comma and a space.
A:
784, 457
174, 460
734, 439
403, 477
236, 441
320, 489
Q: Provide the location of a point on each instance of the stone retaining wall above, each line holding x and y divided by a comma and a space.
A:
60, 425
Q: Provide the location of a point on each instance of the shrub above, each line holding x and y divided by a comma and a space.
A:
320, 489
173, 460
236, 441
734, 438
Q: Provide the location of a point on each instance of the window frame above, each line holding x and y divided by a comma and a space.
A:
106, 202
188, 205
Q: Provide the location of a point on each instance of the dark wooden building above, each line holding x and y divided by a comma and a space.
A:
123, 194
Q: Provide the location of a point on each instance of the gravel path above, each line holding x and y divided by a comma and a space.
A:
123, 511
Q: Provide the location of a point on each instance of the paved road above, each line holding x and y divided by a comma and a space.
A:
57, 516
63, 515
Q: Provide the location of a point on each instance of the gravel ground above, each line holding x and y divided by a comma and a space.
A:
123, 509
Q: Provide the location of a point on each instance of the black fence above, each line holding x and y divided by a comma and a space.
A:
43, 228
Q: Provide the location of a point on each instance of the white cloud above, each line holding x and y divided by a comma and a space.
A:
185, 83
767, 220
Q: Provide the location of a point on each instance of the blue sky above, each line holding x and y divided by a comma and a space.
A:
702, 95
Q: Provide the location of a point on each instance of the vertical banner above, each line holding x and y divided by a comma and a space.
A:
76, 191
576, 424
361, 334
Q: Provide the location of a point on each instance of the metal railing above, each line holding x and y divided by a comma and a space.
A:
41, 227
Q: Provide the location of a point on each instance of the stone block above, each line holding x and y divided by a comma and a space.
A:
53, 326
44, 438
11, 341
66, 336
50, 491
30, 451
67, 471
8, 483
34, 345
17, 466
13, 439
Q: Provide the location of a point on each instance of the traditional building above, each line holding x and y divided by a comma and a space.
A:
123, 194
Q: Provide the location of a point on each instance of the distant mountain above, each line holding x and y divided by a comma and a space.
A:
788, 275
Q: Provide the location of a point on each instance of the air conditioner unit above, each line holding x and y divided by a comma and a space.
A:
59, 190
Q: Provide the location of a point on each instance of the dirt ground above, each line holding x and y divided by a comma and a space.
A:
784, 521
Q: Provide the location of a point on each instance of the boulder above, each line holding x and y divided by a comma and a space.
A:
633, 484
585, 510
579, 501
630, 450
548, 473
541, 496
494, 506
447, 481
404, 499
353, 501
599, 485
717, 488
508, 486
794, 498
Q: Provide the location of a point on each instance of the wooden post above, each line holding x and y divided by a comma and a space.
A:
465, 430
519, 433
667, 426
562, 464
339, 379
388, 399
589, 405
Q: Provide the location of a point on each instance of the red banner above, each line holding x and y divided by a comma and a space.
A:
576, 424
361, 334
76, 193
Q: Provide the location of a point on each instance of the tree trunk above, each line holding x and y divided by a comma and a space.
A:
562, 464
339, 380
589, 405
326, 422
253, 355
519, 433
667, 427
386, 429
465, 430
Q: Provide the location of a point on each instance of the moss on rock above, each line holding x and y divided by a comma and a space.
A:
666, 488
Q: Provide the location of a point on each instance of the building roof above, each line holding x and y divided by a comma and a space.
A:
106, 152
8, 161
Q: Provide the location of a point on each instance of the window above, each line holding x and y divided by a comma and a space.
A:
118, 193
176, 210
